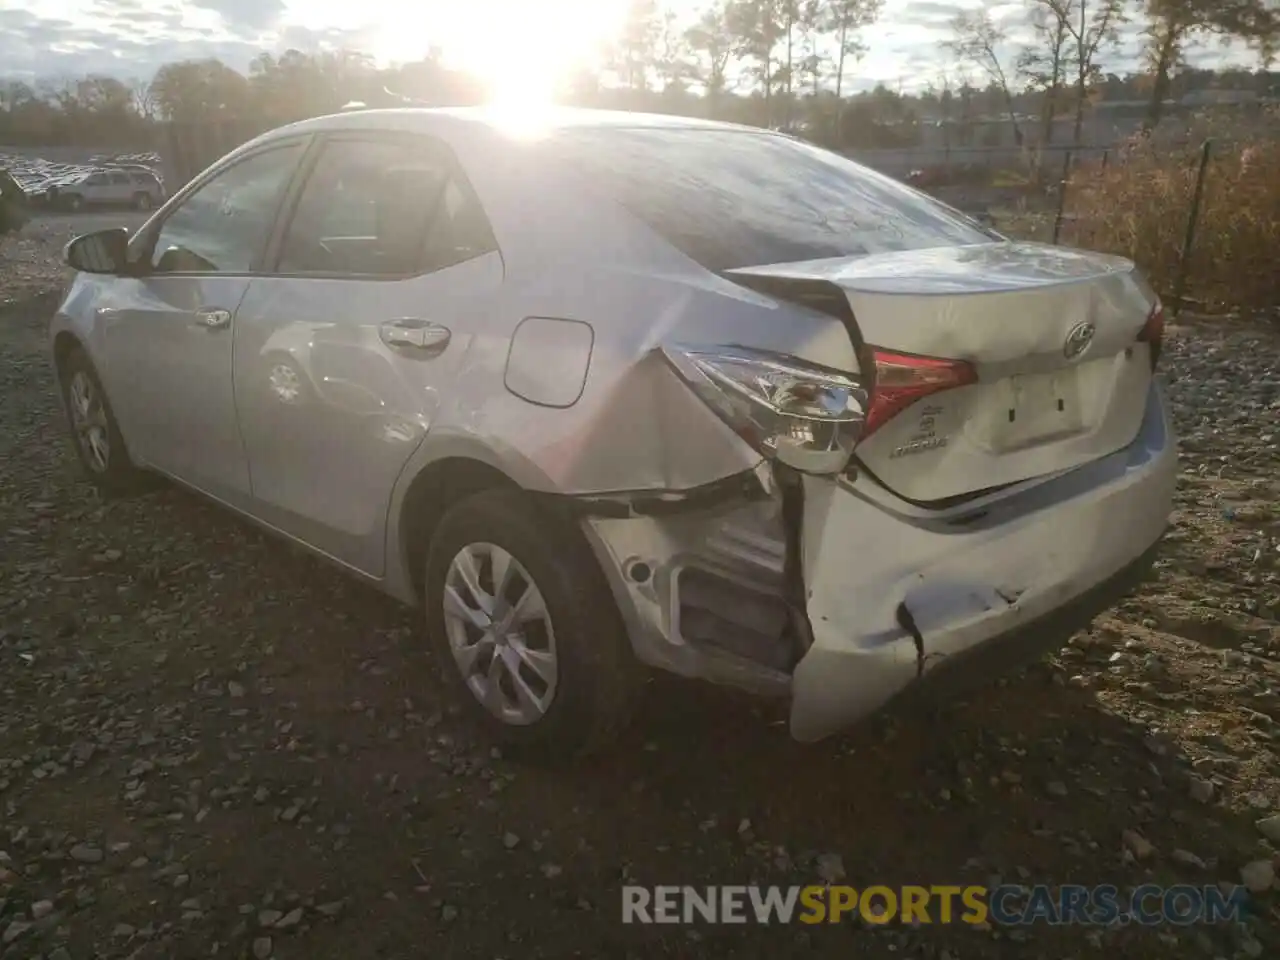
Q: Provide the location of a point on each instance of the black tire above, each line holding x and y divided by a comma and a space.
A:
598, 677
142, 201
118, 477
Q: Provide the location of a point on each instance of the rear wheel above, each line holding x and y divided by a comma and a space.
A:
522, 620
98, 441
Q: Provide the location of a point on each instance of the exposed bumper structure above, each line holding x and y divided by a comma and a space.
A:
897, 598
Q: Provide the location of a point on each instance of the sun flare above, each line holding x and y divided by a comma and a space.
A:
522, 50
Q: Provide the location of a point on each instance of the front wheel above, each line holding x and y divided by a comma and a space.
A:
522, 620
99, 443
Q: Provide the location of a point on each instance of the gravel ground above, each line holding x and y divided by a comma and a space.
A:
211, 744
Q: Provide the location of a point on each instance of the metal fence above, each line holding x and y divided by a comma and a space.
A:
1191, 216
1149, 203
900, 162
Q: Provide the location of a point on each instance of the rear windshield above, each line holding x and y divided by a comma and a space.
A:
731, 199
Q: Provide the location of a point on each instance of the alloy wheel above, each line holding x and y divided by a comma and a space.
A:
89, 418
500, 634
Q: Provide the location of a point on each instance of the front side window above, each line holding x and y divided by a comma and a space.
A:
383, 208
222, 226
731, 199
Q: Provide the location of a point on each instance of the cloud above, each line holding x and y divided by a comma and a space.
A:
929, 13
248, 16
132, 38
33, 47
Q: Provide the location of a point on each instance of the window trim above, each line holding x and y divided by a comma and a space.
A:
284, 220
146, 239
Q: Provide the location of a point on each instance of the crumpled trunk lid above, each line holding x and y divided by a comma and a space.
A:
1051, 333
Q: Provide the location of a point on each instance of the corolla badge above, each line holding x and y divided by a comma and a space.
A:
1078, 340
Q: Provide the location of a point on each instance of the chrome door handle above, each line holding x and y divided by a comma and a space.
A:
418, 334
213, 319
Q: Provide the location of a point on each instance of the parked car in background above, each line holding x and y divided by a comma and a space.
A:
136, 187
608, 389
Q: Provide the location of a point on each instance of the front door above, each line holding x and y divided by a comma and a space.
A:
342, 354
169, 331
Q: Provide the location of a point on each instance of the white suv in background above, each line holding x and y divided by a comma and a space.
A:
135, 187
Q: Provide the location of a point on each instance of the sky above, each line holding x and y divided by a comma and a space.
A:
509, 43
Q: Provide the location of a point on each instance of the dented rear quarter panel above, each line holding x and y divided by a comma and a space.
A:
574, 255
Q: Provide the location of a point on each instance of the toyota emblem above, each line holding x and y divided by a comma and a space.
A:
1078, 340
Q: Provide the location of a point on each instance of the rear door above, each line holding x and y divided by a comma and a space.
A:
119, 187
96, 188
341, 355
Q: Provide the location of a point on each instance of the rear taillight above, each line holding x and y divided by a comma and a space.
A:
1153, 333
903, 378
805, 415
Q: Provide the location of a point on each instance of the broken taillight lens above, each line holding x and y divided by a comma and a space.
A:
903, 378
1153, 333
807, 416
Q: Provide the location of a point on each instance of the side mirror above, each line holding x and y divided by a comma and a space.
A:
106, 251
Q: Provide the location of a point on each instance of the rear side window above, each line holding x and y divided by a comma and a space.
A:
384, 208
731, 199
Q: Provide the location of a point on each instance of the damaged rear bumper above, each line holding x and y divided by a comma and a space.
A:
891, 598
1009, 582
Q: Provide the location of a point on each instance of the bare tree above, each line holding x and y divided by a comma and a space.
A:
844, 18
711, 43
1045, 64
979, 40
638, 43
945, 103
671, 56
756, 27
812, 63
788, 14
144, 101
1092, 26
1171, 23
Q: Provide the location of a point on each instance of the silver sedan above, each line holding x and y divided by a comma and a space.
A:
609, 391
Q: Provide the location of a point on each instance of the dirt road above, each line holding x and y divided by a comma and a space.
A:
211, 745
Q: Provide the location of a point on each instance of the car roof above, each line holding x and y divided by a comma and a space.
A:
501, 121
